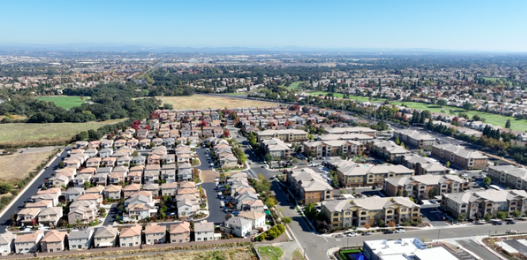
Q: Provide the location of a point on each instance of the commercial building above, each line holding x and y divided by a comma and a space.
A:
403, 249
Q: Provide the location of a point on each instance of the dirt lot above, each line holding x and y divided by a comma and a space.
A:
204, 101
17, 166
233, 254
209, 176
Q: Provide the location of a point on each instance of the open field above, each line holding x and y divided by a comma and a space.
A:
293, 85
340, 95
270, 252
65, 102
494, 119
204, 101
17, 166
22, 133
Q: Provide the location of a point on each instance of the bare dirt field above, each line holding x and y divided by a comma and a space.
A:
204, 101
209, 176
17, 166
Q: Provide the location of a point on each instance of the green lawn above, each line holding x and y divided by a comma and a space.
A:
494, 119
340, 95
65, 102
270, 252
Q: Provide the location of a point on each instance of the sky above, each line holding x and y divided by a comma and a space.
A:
465, 25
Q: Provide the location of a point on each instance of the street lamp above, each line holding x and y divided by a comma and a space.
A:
438, 233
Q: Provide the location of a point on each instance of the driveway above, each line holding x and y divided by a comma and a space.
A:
5, 220
111, 215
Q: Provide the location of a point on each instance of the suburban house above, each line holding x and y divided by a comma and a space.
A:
7, 244
155, 234
73, 194
28, 216
105, 236
169, 189
50, 216
28, 243
131, 236
113, 192
240, 227
204, 231
53, 241
80, 239
257, 218
180, 232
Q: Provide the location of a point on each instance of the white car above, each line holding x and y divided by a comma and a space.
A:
399, 231
352, 234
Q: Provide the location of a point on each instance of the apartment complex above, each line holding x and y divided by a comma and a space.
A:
277, 148
286, 135
415, 138
388, 150
352, 130
320, 149
477, 204
370, 210
459, 156
514, 177
309, 186
424, 186
357, 175
423, 165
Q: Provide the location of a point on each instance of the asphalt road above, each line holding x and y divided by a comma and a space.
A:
477, 249
216, 214
111, 215
5, 220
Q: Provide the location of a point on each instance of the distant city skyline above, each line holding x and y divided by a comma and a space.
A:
442, 25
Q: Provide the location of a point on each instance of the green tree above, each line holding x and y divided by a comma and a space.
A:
502, 214
488, 217
486, 182
287, 220
442, 102
517, 213
508, 124
447, 164
461, 217
397, 141
5, 188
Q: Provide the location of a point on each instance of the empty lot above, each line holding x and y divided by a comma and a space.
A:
17, 166
204, 101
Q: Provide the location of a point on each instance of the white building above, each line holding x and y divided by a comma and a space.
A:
403, 249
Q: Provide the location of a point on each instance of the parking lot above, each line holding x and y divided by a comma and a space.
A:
434, 217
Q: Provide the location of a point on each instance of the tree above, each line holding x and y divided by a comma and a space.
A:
502, 214
270, 202
287, 220
447, 164
487, 217
380, 223
397, 141
442, 102
367, 225
517, 213
391, 223
461, 217
268, 157
5, 188
508, 124
486, 182
468, 106
228, 216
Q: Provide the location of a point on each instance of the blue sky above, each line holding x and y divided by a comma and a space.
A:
449, 25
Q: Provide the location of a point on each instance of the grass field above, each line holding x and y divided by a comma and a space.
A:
293, 85
17, 166
270, 252
204, 101
26, 132
340, 95
65, 102
494, 119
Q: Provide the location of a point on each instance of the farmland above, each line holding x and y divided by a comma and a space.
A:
26, 134
65, 102
205, 101
494, 119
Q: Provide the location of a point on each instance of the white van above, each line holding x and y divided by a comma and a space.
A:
222, 204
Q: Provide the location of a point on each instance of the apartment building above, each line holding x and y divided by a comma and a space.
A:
415, 138
369, 210
514, 177
352, 130
423, 165
277, 148
461, 157
309, 186
358, 175
286, 135
320, 149
477, 204
388, 150
424, 186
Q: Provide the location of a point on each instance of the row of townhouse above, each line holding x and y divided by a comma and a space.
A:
369, 211
105, 236
478, 204
424, 186
244, 195
188, 199
223, 153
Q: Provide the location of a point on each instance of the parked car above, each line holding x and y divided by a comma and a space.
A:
478, 223
511, 222
400, 230
351, 234
510, 231
367, 233
388, 232
339, 236
498, 223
